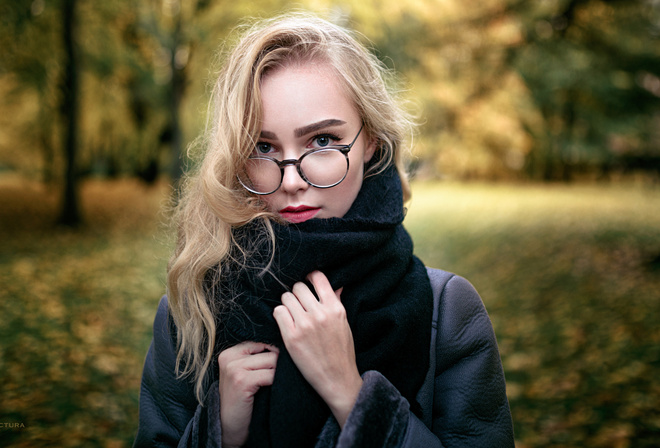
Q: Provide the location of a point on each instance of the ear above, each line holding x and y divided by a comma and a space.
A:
370, 149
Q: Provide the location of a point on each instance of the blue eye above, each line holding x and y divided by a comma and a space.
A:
325, 140
263, 148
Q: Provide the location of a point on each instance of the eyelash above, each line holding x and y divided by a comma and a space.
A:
332, 137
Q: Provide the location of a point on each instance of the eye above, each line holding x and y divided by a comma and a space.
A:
263, 148
323, 140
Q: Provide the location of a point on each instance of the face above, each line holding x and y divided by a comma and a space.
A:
305, 107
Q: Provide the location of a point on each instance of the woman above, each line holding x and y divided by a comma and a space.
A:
297, 314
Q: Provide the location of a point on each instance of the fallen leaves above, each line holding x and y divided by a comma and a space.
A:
564, 272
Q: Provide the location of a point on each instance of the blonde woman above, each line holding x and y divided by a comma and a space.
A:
297, 314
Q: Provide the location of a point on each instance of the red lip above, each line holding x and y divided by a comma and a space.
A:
298, 214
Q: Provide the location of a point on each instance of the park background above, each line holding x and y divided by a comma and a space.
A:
536, 176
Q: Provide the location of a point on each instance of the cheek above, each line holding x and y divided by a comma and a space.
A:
348, 190
356, 174
270, 201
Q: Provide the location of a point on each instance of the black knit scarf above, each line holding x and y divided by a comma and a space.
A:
386, 294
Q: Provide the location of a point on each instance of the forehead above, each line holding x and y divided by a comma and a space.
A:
303, 93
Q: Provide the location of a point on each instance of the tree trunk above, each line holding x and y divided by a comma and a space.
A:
70, 211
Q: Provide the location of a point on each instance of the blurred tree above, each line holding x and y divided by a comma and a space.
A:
592, 67
168, 23
70, 214
125, 102
454, 56
506, 88
519, 88
29, 61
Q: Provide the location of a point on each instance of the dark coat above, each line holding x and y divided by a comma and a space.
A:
463, 399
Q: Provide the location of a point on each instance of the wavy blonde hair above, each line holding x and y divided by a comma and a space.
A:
213, 205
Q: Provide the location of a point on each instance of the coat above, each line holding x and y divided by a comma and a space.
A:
463, 398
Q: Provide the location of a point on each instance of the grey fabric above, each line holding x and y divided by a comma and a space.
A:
463, 398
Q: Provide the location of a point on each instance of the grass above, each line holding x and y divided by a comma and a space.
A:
570, 276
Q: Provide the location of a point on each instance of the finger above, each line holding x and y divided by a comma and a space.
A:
247, 382
293, 305
243, 350
283, 318
260, 361
322, 286
305, 296
263, 378
251, 348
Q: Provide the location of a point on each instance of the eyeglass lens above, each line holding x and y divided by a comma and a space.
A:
324, 168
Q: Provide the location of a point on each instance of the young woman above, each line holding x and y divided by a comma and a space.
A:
297, 314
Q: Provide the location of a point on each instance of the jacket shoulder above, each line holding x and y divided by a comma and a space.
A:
469, 396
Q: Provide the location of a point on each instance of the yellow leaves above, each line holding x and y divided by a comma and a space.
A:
506, 31
522, 361
76, 312
627, 373
617, 436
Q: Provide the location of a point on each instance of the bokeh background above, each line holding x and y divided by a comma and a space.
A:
536, 176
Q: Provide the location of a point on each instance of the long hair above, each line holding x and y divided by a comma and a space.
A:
213, 205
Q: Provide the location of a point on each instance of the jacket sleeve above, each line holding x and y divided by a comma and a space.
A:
469, 403
169, 415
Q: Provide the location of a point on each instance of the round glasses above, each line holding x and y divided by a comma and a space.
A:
321, 168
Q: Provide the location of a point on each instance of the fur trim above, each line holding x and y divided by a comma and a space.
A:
378, 419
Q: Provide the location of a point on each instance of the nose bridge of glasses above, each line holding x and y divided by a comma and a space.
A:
284, 163
287, 180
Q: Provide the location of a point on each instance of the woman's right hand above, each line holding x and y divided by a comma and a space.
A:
244, 368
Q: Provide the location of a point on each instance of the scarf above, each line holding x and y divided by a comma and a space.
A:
387, 296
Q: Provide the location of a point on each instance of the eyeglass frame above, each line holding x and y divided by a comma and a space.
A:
344, 149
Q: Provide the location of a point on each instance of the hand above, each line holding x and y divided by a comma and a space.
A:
317, 335
244, 368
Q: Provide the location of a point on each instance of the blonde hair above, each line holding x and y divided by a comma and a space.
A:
213, 205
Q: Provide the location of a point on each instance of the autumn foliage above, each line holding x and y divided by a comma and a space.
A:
569, 275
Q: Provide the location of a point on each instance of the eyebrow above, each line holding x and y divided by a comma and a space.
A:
317, 126
299, 132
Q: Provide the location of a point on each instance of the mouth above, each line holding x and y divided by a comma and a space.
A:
299, 214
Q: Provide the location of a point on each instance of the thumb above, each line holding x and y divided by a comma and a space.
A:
338, 292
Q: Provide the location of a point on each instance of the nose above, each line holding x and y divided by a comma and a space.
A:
291, 181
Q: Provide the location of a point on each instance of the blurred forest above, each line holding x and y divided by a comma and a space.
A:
504, 89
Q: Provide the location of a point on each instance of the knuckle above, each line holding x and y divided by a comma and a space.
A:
279, 309
304, 326
298, 287
288, 298
239, 379
224, 358
295, 338
323, 319
337, 310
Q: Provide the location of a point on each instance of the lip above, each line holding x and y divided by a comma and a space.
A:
299, 214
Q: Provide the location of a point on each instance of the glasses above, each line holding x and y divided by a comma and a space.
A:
321, 168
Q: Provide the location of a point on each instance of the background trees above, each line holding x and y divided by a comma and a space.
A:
543, 90
548, 90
